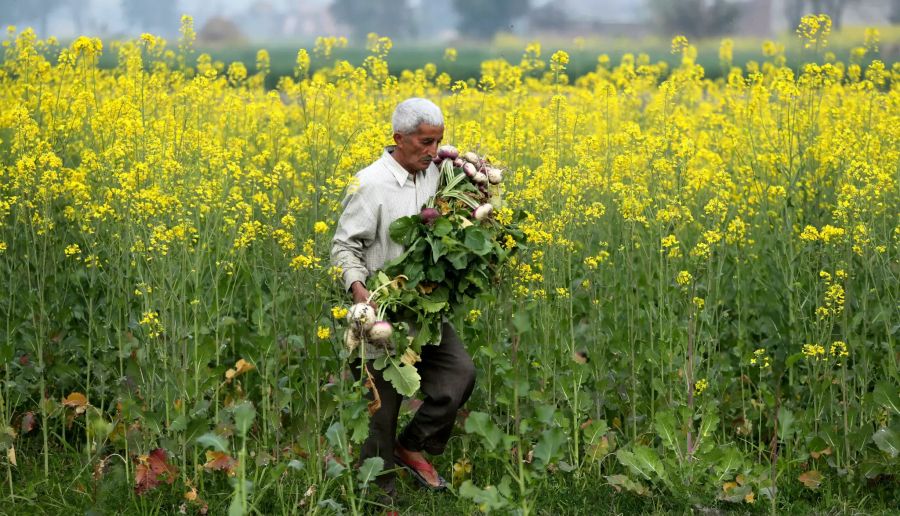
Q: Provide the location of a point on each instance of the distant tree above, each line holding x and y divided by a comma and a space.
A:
393, 18
793, 11
833, 8
160, 16
894, 15
549, 16
33, 12
482, 19
697, 18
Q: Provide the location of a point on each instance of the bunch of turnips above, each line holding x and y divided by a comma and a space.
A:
453, 251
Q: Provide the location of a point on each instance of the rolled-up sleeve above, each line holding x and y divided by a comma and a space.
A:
355, 232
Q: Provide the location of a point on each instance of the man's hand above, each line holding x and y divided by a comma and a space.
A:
361, 294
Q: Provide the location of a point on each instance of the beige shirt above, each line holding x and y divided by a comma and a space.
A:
382, 193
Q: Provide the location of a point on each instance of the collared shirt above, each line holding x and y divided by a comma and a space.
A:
383, 192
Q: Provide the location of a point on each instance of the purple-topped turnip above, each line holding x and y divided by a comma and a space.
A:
494, 175
469, 169
429, 215
480, 178
458, 163
448, 152
471, 157
381, 330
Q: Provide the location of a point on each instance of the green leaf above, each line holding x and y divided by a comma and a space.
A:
730, 460
370, 469
480, 423
335, 436
432, 307
244, 414
405, 230
886, 440
442, 227
476, 241
334, 468
438, 249
212, 440
403, 377
620, 482
436, 273
791, 360
459, 259
886, 395
487, 499
521, 321
549, 444
785, 423
665, 428
643, 461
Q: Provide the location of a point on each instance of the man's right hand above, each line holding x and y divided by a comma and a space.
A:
360, 293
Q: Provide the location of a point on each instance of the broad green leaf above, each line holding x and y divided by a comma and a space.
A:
785, 423
442, 227
729, 461
665, 427
521, 321
595, 431
405, 230
650, 460
212, 440
334, 468
886, 395
432, 307
487, 499
886, 440
549, 444
335, 436
244, 414
459, 259
438, 249
619, 482
370, 469
642, 461
480, 423
709, 423
476, 241
436, 273
403, 377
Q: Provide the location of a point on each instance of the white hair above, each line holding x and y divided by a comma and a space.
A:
413, 112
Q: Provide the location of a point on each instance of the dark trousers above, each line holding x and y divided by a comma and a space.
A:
448, 377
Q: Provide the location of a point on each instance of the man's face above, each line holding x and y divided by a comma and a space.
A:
416, 150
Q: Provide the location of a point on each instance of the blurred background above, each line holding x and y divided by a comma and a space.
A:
235, 29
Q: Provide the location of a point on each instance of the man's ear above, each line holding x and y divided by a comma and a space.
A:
397, 138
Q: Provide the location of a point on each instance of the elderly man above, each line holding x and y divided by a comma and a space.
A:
397, 185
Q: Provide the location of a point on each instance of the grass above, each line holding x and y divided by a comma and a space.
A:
72, 488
